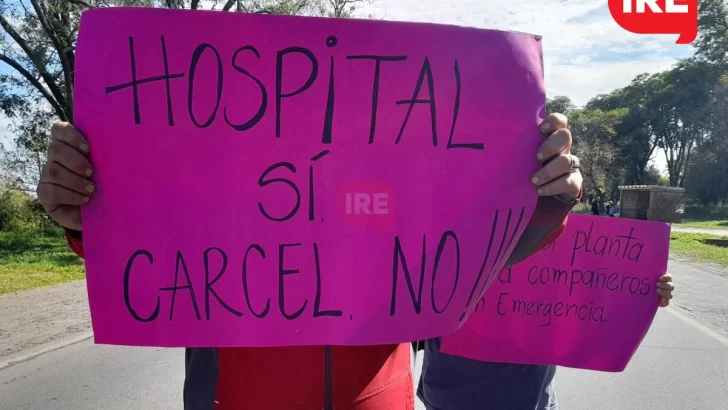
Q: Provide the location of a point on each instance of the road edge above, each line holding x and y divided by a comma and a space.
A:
692, 321
32, 353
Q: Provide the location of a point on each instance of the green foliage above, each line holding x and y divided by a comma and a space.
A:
31, 260
36, 89
654, 177
21, 213
692, 246
582, 208
635, 140
560, 104
593, 133
712, 43
683, 111
706, 212
37, 49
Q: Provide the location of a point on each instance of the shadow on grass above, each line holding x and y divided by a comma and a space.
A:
66, 260
23, 249
12, 243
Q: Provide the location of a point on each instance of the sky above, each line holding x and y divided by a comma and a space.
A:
585, 52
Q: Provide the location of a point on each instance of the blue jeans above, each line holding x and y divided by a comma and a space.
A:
456, 383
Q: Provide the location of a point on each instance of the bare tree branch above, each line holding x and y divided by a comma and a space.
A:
37, 84
228, 5
52, 33
47, 78
27, 13
80, 3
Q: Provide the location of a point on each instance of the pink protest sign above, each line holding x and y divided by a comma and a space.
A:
270, 180
586, 301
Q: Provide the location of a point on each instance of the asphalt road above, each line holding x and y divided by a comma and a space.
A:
682, 364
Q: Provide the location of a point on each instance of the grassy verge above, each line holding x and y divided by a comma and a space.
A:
691, 245
582, 209
714, 216
29, 261
712, 224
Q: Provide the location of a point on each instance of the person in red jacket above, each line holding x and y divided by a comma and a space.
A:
306, 377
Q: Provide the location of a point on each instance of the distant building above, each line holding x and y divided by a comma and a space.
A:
652, 202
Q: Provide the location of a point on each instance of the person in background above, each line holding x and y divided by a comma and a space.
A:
609, 210
612, 210
304, 377
595, 207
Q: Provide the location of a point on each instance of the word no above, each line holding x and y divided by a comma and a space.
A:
449, 240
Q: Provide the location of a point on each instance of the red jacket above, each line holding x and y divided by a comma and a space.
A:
317, 377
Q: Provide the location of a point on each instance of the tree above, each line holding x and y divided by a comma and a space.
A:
706, 177
634, 138
712, 42
38, 47
560, 104
679, 113
593, 131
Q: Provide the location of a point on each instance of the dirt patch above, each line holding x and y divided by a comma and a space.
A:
36, 317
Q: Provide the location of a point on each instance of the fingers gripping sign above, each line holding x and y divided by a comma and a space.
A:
67, 133
560, 176
65, 182
665, 287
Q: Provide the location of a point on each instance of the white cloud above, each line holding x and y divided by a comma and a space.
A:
584, 80
585, 52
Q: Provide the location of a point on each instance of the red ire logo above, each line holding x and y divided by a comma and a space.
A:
658, 17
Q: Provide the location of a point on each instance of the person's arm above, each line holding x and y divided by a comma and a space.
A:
546, 224
75, 241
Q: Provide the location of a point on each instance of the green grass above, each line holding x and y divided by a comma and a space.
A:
690, 245
29, 261
582, 208
711, 224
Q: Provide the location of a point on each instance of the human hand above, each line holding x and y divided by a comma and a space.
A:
665, 288
560, 176
64, 182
